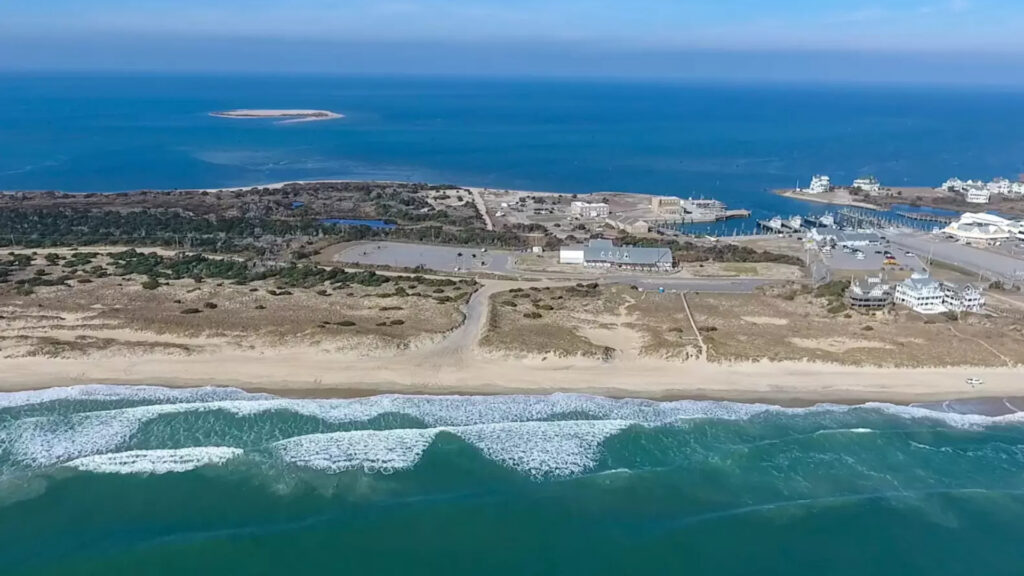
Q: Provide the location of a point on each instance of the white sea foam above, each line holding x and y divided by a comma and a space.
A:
371, 450
542, 449
538, 449
113, 393
155, 461
505, 428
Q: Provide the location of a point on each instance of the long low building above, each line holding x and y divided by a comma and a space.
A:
605, 254
629, 224
845, 238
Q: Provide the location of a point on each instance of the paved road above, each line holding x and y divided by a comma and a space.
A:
988, 262
729, 285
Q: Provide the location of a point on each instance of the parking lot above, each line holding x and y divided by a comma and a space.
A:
441, 258
992, 262
874, 259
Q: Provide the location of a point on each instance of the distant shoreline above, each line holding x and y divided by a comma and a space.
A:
288, 116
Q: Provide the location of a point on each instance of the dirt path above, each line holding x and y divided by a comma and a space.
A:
479, 201
696, 332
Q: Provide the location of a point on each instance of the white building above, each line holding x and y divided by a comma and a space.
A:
570, 255
820, 184
629, 224
1017, 189
666, 204
999, 186
589, 211
927, 296
871, 293
976, 193
979, 227
845, 238
965, 298
921, 294
869, 184
953, 185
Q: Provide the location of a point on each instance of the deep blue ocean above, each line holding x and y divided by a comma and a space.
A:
733, 142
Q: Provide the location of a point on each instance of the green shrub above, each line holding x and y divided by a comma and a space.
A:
346, 323
836, 308
209, 305
191, 311
151, 284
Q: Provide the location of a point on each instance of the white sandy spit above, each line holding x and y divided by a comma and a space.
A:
290, 116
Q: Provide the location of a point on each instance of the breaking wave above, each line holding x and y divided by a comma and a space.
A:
110, 429
155, 461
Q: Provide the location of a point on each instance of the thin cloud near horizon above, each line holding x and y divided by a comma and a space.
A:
904, 25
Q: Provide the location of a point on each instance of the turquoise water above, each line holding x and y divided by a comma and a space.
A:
102, 480
110, 133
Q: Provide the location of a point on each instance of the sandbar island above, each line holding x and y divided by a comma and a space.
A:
285, 116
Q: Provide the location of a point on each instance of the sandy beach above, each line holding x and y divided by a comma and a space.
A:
307, 371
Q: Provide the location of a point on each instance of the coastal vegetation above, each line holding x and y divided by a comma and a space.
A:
686, 251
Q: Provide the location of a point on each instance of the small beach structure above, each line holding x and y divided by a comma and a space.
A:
601, 253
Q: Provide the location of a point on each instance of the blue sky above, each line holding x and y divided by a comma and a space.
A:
545, 36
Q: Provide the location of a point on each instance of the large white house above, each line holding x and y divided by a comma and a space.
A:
590, 211
1017, 189
999, 186
869, 184
962, 298
976, 192
980, 227
921, 294
953, 185
820, 184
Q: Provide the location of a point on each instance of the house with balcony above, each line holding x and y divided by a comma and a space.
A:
820, 184
921, 294
962, 297
870, 293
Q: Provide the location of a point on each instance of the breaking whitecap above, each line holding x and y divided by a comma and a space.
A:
542, 436
155, 461
537, 449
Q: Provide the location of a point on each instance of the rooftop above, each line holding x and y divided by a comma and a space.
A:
606, 251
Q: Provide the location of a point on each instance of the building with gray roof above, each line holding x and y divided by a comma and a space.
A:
605, 254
